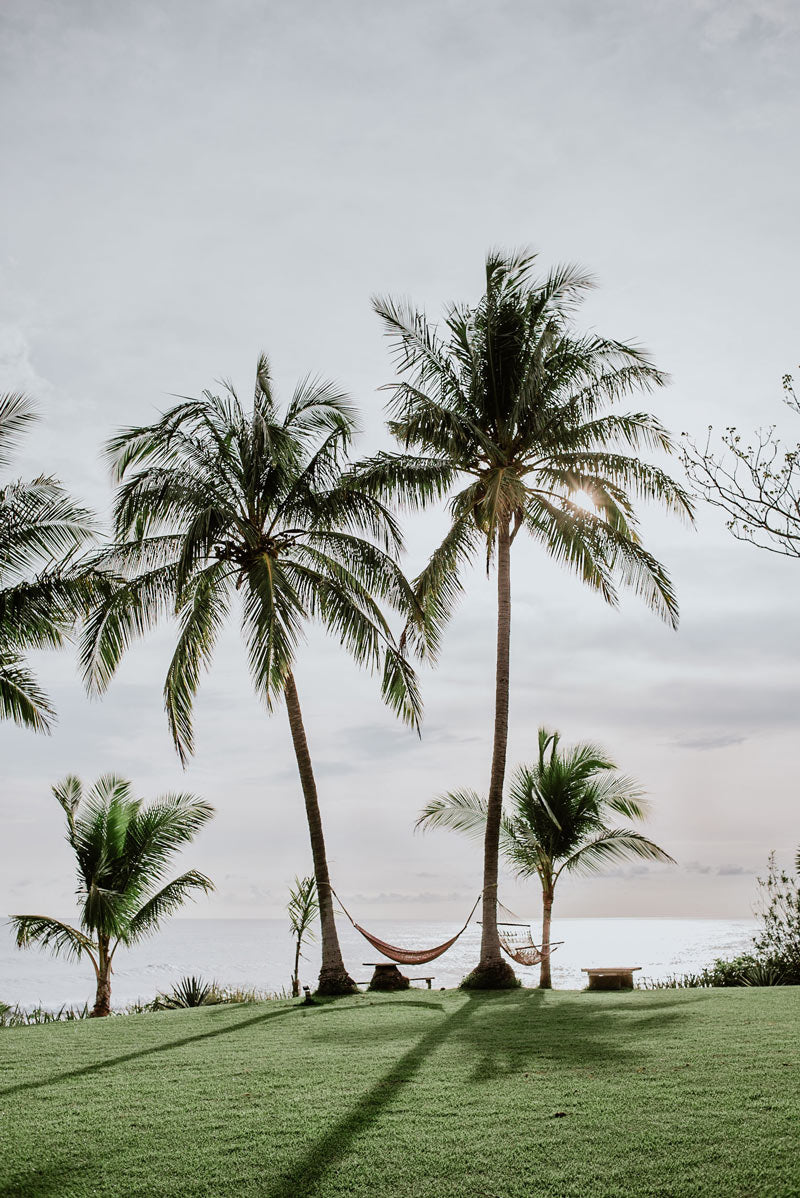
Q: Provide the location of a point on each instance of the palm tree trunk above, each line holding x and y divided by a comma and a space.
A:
296, 974
333, 977
545, 982
102, 1001
492, 971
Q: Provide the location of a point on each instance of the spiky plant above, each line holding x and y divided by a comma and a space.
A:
43, 589
557, 819
188, 992
123, 848
218, 502
507, 404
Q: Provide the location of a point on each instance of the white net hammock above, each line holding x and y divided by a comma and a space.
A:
516, 939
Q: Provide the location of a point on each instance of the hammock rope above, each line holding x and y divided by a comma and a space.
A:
406, 956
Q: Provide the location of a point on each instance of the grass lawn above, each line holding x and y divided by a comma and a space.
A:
442, 1094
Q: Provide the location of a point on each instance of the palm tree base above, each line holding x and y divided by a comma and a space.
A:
497, 975
331, 985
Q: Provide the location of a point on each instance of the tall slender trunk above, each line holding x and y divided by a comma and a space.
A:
545, 981
333, 977
296, 974
102, 1001
493, 971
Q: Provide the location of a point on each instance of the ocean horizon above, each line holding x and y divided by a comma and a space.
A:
259, 953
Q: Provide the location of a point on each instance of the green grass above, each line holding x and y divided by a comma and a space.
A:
425, 1094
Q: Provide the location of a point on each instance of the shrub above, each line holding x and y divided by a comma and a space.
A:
778, 942
745, 970
18, 1016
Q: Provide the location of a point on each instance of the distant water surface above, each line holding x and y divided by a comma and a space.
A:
258, 952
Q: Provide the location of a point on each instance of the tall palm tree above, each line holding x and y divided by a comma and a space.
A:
122, 850
43, 588
216, 501
508, 404
557, 820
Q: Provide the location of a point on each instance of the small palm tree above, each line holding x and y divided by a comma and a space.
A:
557, 819
303, 909
43, 589
123, 849
218, 502
508, 403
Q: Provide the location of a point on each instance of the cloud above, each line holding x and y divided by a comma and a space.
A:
17, 371
722, 741
624, 871
427, 897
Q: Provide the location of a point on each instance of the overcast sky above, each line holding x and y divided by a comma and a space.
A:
186, 184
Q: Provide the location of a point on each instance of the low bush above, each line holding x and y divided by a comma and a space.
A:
17, 1016
775, 956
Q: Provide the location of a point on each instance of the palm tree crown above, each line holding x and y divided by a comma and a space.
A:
512, 401
559, 818
122, 849
214, 501
43, 589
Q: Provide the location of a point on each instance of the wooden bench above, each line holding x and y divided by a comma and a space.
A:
388, 977
611, 977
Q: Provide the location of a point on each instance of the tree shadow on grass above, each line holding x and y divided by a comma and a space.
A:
519, 1030
40, 1181
370, 1004
306, 1173
573, 1033
110, 1062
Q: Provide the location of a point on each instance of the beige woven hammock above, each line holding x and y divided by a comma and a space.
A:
517, 941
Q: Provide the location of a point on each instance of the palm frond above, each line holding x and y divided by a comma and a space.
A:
614, 844
461, 810
17, 411
400, 688
408, 480
40, 525
69, 794
439, 587
202, 617
61, 939
21, 698
130, 609
303, 907
164, 903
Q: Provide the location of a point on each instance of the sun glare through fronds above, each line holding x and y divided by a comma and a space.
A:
583, 500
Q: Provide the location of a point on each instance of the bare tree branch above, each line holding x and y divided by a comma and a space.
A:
756, 484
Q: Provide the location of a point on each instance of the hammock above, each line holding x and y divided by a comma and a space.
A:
518, 944
406, 956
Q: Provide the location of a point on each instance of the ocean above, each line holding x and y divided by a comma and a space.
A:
259, 953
